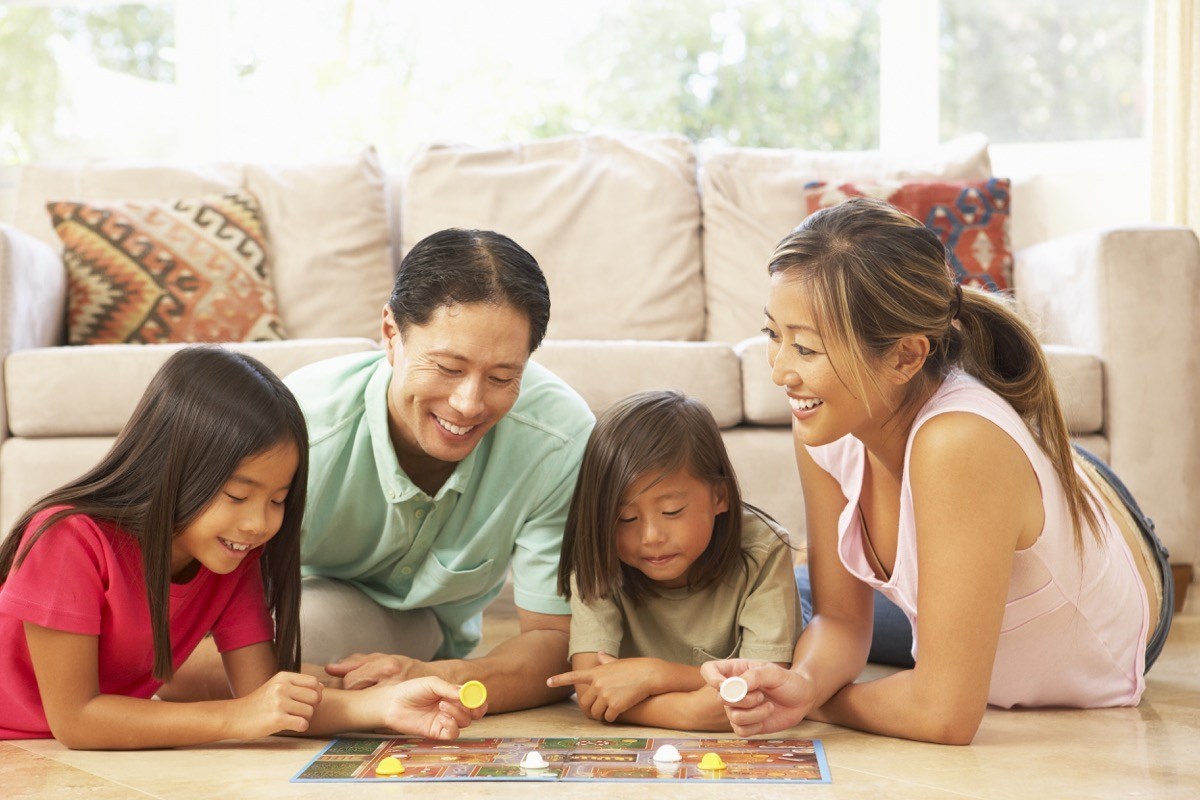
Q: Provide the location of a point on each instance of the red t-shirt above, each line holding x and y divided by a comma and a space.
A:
85, 576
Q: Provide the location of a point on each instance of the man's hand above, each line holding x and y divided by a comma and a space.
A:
612, 688
361, 671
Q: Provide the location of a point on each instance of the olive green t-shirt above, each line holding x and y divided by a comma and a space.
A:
754, 612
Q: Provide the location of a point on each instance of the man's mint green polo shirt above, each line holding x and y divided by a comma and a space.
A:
368, 524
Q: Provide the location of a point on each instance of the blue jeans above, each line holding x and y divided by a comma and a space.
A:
891, 639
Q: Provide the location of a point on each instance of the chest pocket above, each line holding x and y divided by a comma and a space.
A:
434, 583
716, 648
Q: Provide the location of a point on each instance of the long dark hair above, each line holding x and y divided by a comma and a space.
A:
205, 411
875, 275
648, 433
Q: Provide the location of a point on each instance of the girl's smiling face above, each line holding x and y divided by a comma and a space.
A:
665, 523
823, 407
244, 515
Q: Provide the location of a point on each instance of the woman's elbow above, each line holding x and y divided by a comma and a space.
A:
956, 726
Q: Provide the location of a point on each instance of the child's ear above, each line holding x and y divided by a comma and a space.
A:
721, 490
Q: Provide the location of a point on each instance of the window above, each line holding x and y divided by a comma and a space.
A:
273, 79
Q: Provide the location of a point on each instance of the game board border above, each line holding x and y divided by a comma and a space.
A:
818, 750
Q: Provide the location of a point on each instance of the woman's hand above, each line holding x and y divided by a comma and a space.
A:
613, 687
284, 703
426, 707
776, 698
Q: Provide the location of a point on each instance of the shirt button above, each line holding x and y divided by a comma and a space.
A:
420, 512
406, 570
391, 494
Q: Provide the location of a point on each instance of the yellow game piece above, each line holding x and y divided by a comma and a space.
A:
711, 762
473, 694
390, 766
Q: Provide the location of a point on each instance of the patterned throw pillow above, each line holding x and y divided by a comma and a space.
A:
970, 217
166, 271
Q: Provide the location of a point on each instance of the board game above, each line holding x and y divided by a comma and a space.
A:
611, 759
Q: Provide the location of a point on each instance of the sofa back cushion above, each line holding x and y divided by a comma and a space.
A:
326, 226
614, 222
753, 197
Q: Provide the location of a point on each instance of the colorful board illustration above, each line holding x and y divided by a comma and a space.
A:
610, 759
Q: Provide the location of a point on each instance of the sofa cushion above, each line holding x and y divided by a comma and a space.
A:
330, 246
328, 238
43, 385
154, 271
604, 372
970, 217
614, 221
753, 197
1077, 374
104, 182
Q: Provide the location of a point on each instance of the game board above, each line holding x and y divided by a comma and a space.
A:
612, 759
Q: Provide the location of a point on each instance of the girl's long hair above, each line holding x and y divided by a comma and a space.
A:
875, 275
648, 433
205, 411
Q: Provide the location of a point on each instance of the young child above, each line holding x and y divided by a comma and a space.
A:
937, 469
189, 525
666, 568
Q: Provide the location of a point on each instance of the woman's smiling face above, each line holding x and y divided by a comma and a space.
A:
824, 409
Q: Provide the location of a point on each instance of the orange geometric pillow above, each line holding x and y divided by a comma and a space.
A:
166, 271
970, 217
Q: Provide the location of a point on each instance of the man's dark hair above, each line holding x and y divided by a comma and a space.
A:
470, 266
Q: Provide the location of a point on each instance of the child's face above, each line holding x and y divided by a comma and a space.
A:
663, 528
245, 514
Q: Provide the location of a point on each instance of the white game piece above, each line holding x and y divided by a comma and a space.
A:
533, 760
733, 689
668, 753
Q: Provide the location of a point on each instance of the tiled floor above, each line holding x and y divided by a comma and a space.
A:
1152, 751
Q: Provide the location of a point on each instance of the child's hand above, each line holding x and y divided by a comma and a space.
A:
776, 697
284, 703
612, 688
426, 707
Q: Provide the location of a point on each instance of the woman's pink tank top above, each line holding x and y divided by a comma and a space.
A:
1075, 629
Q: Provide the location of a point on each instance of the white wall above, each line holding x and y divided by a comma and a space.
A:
1068, 187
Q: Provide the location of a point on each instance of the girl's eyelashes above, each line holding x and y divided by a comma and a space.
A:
626, 520
235, 498
804, 351
674, 513
770, 334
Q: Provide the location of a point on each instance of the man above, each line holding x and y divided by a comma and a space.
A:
433, 467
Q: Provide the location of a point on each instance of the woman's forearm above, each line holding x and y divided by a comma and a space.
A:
830, 654
898, 706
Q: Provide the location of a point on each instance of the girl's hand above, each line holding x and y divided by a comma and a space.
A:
426, 707
284, 703
776, 698
612, 688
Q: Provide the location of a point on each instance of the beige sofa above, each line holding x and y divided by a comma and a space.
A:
655, 255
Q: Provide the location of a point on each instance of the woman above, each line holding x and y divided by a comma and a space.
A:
931, 445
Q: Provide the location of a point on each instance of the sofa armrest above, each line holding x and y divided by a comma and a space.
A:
1132, 296
33, 299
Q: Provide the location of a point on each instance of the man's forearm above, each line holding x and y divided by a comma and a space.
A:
514, 672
